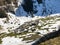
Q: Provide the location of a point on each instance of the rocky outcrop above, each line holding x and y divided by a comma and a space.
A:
8, 5
40, 7
26, 26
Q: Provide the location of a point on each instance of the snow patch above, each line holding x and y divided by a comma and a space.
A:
13, 41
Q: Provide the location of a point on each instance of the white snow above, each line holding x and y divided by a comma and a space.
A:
13, 41
14, 22
19, 2
56, 25
43, 32
24, 19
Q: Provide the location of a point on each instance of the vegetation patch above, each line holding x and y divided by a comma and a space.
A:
33, 37
0, 41
55, 41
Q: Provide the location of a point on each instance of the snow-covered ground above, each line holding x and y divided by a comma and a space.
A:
33, 28
13, 41
13, 22
44, 25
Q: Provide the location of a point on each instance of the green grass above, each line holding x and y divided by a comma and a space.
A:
2, 35
33, 37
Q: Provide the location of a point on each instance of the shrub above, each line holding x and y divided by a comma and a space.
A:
3, 14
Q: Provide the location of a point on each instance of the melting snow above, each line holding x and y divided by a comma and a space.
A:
13, 41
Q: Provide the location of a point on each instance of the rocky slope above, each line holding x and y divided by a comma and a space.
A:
9, 5
39, 7
26, 29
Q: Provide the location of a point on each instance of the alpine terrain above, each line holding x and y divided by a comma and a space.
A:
29, 22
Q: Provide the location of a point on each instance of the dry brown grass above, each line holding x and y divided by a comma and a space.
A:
55, 41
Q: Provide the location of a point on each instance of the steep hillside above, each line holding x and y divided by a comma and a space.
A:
54, 41
25, 29
17, 27
39, 7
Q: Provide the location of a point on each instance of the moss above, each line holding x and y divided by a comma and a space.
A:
1, 27
2, 35
0, 41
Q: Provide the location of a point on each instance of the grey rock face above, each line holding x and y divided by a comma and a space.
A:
40, 7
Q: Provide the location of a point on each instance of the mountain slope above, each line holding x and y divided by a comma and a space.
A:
26, 28
41, 8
